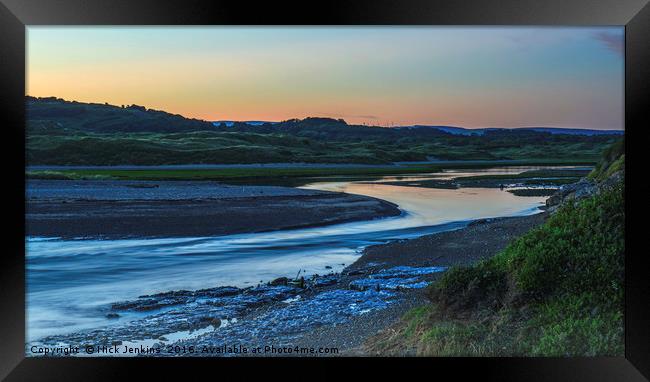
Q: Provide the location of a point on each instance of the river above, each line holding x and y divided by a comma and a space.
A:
70, 283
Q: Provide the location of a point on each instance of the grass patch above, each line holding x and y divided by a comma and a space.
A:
226, 173
613, 161
66, 175
258, 173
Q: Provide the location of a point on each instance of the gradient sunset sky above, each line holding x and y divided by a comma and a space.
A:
469, 77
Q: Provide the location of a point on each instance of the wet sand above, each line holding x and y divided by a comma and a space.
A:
117, 210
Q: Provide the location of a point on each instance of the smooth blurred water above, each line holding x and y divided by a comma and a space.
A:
71, 283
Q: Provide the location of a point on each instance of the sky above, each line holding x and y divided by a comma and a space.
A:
457, 76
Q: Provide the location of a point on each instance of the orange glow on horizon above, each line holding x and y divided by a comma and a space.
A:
467, 77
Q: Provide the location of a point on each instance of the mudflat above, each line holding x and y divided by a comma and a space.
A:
122, 209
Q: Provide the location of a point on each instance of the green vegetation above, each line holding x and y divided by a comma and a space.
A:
199, 148
613, 161
270, 173
556, 291
229, 173
73, 133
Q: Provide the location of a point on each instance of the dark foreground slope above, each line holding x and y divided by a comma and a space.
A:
556, 291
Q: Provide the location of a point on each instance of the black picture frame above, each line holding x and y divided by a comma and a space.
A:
15, 15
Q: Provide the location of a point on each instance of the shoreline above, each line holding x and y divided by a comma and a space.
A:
479, 240
339, 310
204, 166
124, 209
452, 247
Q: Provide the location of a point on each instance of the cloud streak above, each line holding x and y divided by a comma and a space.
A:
613, 41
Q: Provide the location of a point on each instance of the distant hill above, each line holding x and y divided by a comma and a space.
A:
552, 130
63, 132
231, 123
55, 113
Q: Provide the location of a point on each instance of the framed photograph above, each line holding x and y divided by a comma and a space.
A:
445, 184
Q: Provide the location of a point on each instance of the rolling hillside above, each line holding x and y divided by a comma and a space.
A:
63, 132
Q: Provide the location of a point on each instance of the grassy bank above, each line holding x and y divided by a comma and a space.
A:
243, 173
613, 161
236, 173
556, 291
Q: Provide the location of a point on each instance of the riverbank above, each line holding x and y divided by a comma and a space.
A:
123, 209
480, 240
272, 173
331, 310
557, 291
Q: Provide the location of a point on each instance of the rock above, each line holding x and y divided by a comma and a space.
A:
112, 315
328, 267
325, 281
479, 222
300, 283
279, 281
581, 189
584, 188
612, 180
141, 305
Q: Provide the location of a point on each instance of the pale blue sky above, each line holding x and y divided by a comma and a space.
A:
471, 77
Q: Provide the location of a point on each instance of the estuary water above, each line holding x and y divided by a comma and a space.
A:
71, 283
